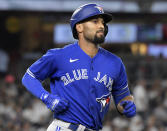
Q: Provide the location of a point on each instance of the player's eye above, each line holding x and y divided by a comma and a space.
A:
95, 21
102, 22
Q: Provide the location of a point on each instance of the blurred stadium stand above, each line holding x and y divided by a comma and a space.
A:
138, 34
69, 5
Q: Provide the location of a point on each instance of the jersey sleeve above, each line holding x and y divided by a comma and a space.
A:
120, 86
43, 67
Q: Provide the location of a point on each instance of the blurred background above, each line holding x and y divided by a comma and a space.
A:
138, 34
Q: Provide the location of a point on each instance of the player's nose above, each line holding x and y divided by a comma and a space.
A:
101, 25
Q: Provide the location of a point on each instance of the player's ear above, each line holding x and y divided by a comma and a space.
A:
79, 27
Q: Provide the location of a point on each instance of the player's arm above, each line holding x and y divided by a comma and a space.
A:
39, 71
124, 103
127, 107
122, 97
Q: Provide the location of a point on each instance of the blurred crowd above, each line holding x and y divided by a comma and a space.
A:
20, 111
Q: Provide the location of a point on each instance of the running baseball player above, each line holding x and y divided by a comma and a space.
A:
83, 76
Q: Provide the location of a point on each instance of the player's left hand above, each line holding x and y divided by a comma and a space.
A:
129, 108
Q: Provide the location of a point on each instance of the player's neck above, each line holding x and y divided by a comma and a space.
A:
89, 48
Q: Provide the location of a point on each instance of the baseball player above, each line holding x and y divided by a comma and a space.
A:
83, 76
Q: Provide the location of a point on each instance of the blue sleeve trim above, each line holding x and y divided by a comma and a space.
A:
120, 94
120, 91
30, 73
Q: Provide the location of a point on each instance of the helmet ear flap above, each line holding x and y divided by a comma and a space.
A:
75, 34
105, 29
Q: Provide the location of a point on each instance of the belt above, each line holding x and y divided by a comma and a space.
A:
71, 126
74, 127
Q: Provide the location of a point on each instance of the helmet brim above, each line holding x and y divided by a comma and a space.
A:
106, 17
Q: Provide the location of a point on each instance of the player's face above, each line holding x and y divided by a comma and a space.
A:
93, 30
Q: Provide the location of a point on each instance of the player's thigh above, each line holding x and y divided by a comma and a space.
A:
55, 127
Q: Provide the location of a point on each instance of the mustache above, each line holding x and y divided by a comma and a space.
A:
100, 31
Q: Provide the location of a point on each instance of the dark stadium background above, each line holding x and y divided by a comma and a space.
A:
138, 35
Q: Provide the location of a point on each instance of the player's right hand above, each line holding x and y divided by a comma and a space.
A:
55, 103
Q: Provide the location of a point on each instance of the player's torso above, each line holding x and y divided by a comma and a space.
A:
76, 70
85, 80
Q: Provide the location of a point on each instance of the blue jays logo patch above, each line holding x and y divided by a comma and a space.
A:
104, 101
100, 9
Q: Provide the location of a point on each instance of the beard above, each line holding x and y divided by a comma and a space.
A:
96, 39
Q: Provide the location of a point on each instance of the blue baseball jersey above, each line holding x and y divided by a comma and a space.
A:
87, 83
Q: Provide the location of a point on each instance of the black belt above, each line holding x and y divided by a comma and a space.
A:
74, 127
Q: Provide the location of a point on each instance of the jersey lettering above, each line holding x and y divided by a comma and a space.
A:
64, 79
69, 78
98, 77
104, 80
77, 75
83, 74
110, 83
